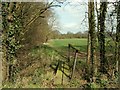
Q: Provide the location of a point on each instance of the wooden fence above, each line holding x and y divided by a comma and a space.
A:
74, 55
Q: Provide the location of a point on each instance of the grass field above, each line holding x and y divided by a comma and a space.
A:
80, 44
65, 42
44, 60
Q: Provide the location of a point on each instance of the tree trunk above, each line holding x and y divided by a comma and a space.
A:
88, 50
98, 27
10, 27
92, 33
118, 37
103, 8
4, 46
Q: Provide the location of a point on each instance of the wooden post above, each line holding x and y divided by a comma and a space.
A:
68, 53
75, 58
56, 68
62, 73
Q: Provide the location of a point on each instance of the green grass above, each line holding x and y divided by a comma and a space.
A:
62, 44
46, 55
65, 42
80, 44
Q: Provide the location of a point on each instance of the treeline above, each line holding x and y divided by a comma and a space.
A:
25, 25
99, 59
58, 35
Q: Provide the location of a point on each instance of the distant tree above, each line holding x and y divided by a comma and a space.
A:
78, 35
85, 34
56, 34
69, 34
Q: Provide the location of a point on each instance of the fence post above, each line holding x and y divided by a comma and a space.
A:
75, 58
68, 53
56, 68
62, 73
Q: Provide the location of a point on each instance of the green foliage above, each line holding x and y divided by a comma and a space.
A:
36, 77
92, 86
16, 28
74, 83
11, 33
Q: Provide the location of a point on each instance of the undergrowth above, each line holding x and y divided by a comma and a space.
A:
40, 74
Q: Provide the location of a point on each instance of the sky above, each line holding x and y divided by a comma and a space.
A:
71, 16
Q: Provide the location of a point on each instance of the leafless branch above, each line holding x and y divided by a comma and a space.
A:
39, 13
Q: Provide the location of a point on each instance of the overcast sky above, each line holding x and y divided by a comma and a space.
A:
71, 16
